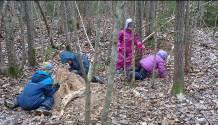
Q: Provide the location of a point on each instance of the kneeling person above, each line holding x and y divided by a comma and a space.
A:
38, 92
146, 66
73, 60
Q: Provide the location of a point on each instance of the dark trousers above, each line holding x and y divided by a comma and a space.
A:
140, 74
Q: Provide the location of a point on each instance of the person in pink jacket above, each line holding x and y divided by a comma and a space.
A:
146, 66
127, 33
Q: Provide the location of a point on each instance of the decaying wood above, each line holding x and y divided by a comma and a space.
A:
71, 87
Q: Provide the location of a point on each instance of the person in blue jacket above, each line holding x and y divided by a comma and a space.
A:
72, 59
38, 92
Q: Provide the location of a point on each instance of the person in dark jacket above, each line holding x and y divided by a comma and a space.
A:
72, 59
38, 92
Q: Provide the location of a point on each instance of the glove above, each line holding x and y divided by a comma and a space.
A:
57, 85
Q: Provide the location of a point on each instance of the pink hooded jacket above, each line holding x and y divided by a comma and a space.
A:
120, 48
148, 62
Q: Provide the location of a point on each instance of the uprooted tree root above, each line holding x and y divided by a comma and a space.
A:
71, 87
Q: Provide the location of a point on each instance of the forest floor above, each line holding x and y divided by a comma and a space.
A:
136, 104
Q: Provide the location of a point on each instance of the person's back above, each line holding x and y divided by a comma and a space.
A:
149, 63
73, 60
38, 92
34, 91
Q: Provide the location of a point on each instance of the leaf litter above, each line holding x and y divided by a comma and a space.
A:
136, 104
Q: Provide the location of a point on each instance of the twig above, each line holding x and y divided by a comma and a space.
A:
84, 27
157, 29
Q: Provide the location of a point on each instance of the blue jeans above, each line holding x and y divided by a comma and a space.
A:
140, 74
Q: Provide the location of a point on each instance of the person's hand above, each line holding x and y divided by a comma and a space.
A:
57, 85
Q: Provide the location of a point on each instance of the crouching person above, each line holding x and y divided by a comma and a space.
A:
73, 60
38, 92
146, 64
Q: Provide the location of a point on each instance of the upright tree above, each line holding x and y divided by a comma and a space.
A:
30, 32
3, 12
66, 28
108, 97
20, 13
44, 17
9, 29
178, 78
187, 36
139, 18
151, 13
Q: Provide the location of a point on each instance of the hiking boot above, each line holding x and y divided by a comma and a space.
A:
11, 104
43, 110
98, 79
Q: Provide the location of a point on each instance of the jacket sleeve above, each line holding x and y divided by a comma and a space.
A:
162, 69
138, 43
86, 63
50, 90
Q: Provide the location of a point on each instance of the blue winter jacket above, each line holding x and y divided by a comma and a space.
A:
36, 90
67, 55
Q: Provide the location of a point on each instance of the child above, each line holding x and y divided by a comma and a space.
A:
146, 66
38, 92
72, 59
127, 33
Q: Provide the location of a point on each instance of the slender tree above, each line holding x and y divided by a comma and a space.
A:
139, 18
30, 31
178, 78
187, 39
66, 28
46, 23
9, 29
3, 12
20, 13
108, 97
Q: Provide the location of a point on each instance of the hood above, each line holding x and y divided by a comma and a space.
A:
127, 22
163, 54
39, 76
66, 55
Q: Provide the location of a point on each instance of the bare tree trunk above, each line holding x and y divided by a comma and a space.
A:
215, 26
92, 69
9, 27
108, 96
133, 59
72, 22
3, 12
150, 16
178, 78
20, 14
46, 24
87, 14
88, 87
187, 39
66, 30
30, 31
139, 18
155, 47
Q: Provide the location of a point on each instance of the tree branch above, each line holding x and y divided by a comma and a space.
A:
157, 29
84, 27
46, 23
